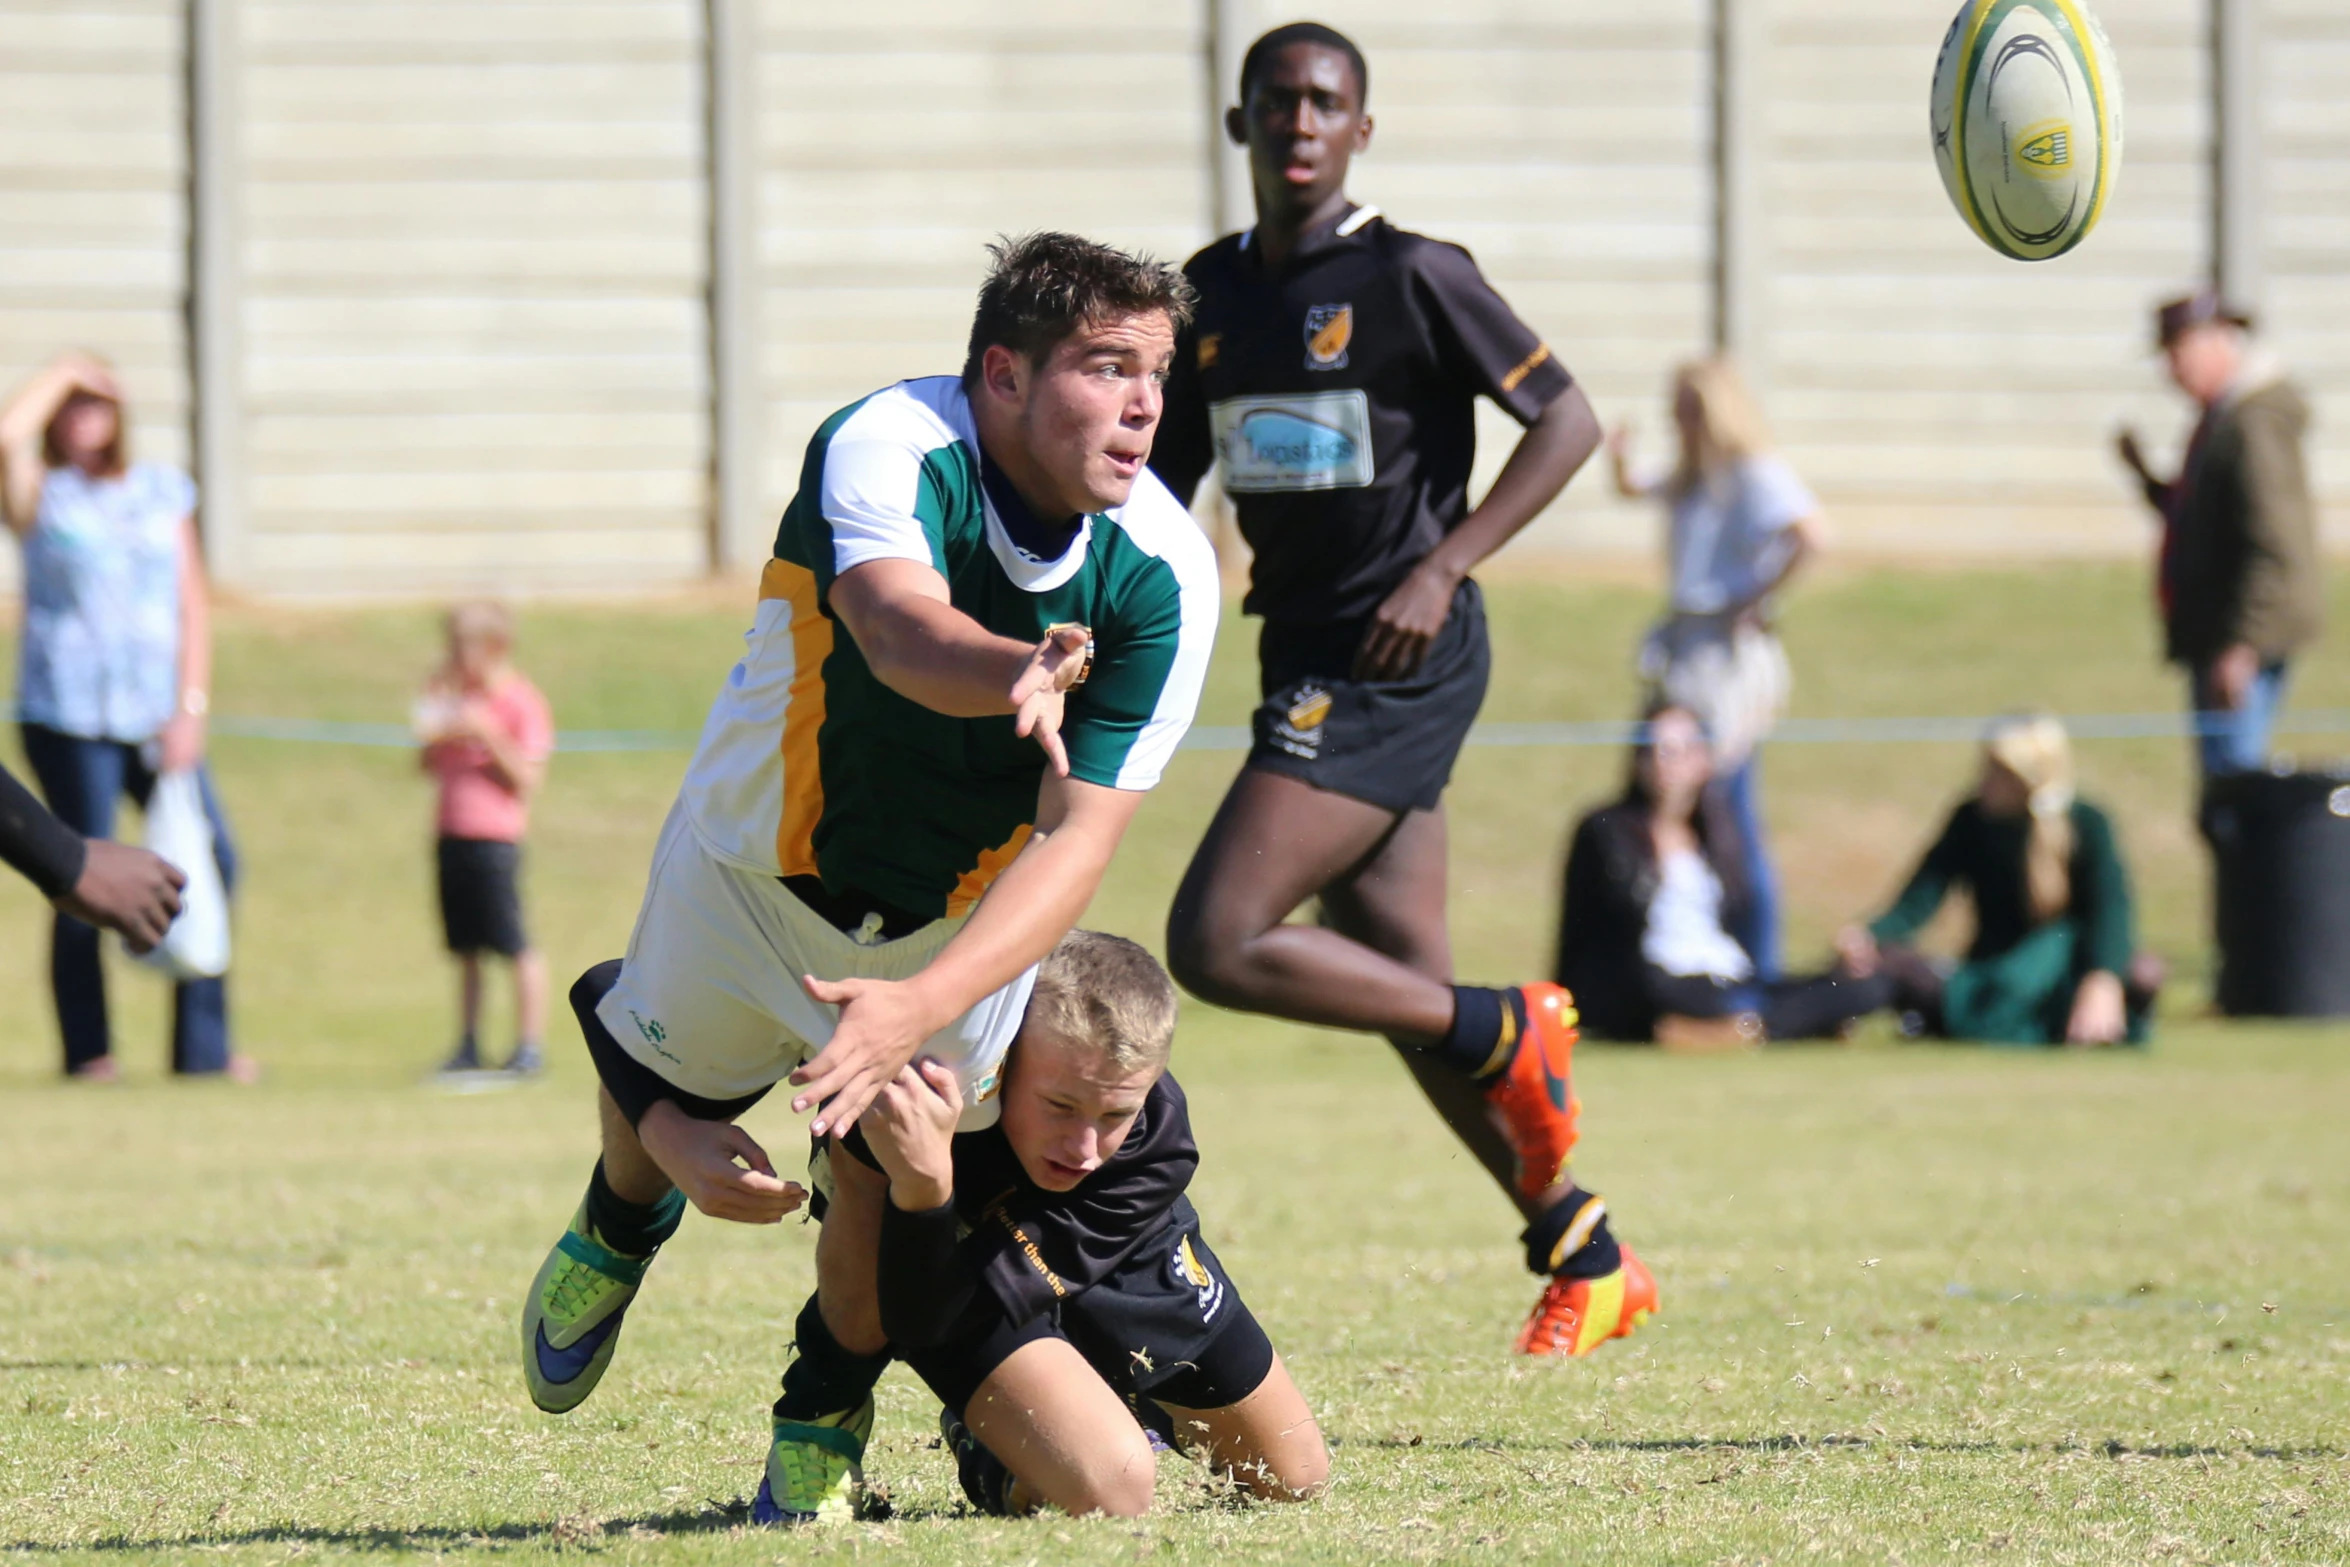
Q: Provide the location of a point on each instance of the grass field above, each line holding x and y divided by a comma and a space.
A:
1922, 1303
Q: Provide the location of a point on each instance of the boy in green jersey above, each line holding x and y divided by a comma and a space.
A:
981, 637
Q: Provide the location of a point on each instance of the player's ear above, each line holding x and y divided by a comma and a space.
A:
1363, 134
1236, 125
1001, 371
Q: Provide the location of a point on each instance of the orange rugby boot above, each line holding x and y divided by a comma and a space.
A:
1576, 1316
1535, 1091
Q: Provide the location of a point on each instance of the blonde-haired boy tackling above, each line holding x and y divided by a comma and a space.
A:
1047, 1277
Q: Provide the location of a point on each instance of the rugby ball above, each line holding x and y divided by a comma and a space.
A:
2027, 123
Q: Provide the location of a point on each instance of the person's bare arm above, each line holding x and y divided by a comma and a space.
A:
1619, 462
1032, 905
183, 735
1805, 537
926, 650
24, 421
517, 769
127, 889
1553, 449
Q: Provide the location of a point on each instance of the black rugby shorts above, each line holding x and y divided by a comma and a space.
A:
1168, 1326
1389, 743
481, 896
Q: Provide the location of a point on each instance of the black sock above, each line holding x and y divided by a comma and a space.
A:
633, 1229
1486, 1027
1572, 1241
823, 1378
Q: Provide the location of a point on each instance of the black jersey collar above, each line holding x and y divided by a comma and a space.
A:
1041, 545
1322, 236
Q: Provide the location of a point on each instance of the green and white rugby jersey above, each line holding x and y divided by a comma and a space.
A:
809, 764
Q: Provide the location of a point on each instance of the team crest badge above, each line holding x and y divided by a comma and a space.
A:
1329, 328
1297, 728
1193, 1274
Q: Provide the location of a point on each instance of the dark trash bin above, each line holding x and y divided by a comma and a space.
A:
2281, 847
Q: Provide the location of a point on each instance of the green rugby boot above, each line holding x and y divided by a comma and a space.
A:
815, 1470
571, 1319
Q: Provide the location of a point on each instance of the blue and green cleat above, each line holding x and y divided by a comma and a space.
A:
571, 1319
815, 1469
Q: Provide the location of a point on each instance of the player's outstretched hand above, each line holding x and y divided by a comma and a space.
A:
1037, 697
910, 1126
1397, 639
134, 891
720, 1167
882, 1023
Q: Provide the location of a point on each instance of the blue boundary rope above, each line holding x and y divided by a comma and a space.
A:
1235, 737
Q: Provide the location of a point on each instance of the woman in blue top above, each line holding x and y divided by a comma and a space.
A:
1742, 522
116, 662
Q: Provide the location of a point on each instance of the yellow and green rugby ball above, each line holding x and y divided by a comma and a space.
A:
2027, 122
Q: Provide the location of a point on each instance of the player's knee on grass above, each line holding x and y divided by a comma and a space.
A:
1267, 1443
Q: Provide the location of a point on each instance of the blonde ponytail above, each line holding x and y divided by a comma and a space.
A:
2035, 748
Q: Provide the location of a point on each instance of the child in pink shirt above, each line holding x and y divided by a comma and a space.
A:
487, 733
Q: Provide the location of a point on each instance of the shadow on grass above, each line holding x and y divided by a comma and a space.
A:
1839, 1442
710, 1518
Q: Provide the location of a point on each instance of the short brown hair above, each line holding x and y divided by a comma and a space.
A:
114, 460
1043, 287
1107, 992
481, 620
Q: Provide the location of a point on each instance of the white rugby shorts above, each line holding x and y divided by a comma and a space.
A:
709, 997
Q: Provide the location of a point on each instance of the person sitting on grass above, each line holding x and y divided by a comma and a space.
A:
487, 733
2053, 959
1047, 1276
1655, 885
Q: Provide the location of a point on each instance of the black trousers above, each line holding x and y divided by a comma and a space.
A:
1813, 1006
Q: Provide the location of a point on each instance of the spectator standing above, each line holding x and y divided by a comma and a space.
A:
1655, 887
112, 685
487, 734
1741, 524
2238, 579
2053, 958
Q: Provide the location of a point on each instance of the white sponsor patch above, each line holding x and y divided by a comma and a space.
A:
1308, 441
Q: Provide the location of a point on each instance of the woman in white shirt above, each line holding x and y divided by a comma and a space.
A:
1655, 888
1741, 524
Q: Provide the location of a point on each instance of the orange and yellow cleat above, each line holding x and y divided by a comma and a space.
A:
1576, 1316
1535, 1092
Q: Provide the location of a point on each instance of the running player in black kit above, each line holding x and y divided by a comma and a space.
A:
1333, 368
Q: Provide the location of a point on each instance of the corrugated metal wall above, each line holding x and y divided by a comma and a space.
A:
897, 137
475, 253
2308, 220
93, 200
475, 262
1947, 399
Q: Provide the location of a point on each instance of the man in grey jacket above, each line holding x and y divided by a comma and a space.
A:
2239, 568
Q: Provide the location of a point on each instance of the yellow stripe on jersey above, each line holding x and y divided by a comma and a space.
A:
803, 716
980, 877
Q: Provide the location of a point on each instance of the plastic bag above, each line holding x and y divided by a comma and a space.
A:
197, 945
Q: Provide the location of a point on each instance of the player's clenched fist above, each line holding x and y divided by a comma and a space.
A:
721, 1169
910, 1127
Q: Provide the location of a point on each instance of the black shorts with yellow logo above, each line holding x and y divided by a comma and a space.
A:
1167, 1326
1390, 743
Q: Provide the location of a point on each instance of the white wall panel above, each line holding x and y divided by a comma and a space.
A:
1940, 397
475, 261
2307, 134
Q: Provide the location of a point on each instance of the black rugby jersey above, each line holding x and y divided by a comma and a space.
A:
1339, 393
1005, 1246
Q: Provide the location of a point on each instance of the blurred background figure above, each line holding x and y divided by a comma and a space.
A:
115, 669
1741, 523
487, 733
2054, 956
2238, 580
1655, 888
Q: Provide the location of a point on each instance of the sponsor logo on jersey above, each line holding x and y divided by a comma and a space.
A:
1185, 1265
1299, 728
985, 1089
1303, 441
654, 1035
2046, 149
1329, 328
